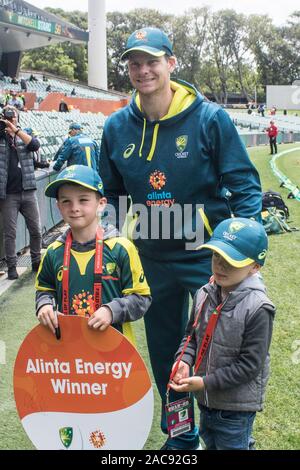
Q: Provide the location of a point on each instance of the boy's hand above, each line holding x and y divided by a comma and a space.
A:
101, 319
189, 384
47, 317
183, 371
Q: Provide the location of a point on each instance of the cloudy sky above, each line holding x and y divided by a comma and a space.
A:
279, 11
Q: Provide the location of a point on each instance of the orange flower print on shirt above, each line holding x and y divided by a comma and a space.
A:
83, 304
157, 179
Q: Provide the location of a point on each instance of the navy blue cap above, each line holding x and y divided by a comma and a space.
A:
79, 174
239, 241
153, 41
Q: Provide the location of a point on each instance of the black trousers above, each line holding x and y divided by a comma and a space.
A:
273, 145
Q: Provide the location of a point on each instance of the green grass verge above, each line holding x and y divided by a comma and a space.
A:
289, 165
278, 426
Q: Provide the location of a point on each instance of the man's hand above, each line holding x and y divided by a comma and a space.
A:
101, 319
189, 384
47, 317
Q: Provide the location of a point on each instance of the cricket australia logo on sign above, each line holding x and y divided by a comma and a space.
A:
181, 144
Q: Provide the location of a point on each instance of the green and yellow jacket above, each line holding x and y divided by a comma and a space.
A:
124, 287
190, 159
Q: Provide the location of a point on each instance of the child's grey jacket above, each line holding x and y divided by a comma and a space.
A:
235, 369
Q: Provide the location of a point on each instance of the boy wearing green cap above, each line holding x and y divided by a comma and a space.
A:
89, 271
230, 332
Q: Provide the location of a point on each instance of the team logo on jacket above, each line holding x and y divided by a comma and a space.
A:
158, 197
181, 143
129, 150
157, 179
110, 268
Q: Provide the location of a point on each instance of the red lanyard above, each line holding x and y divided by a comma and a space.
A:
97, 272
212, 323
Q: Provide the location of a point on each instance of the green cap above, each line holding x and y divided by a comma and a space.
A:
78, 174
239, 241
153, 41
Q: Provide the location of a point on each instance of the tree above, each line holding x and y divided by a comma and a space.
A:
77, 66
50, 59
189, 43
275, 53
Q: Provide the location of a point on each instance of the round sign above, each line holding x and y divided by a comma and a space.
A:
88, 390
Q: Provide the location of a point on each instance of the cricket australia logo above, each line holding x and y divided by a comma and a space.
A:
181, 144
236, 227
141, 34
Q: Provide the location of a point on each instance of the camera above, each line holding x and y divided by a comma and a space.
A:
7, 114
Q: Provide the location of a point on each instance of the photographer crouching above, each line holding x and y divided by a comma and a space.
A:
17, 188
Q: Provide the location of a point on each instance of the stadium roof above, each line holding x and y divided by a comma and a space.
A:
24, 26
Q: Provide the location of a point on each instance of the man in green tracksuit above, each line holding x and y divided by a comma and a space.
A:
176, 153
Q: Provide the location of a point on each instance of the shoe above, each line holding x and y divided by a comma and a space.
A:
35, 266
168, 446
12, 273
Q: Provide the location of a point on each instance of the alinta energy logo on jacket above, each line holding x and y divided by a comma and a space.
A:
158, 181
181, 144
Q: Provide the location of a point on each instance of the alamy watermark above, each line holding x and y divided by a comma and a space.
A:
295, 98
2, 353
160, 221
296, 353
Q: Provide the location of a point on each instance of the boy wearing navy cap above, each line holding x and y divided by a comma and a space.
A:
230, 329
89, 271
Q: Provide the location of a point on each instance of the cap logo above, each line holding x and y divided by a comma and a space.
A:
181, 143
236, 227
262, 255
100, 186
70, 174
140, 35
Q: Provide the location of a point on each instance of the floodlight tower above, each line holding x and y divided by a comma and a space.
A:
97, 52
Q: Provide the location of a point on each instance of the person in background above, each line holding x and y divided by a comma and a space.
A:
15, 101
23, 84
272, 132
77, 149
63, 107
18, 189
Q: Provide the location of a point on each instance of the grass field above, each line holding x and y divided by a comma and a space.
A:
290, 166
278, 426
